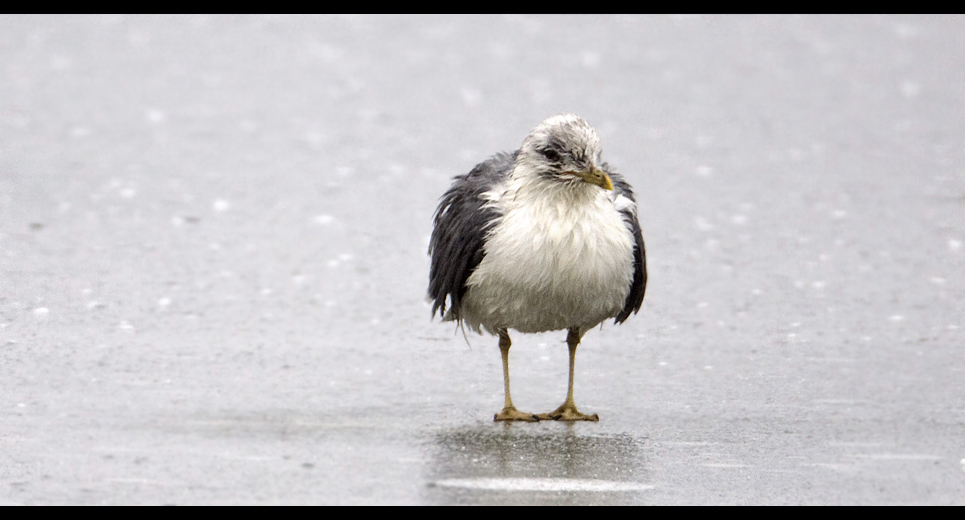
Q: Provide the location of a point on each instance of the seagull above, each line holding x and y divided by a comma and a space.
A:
542, 239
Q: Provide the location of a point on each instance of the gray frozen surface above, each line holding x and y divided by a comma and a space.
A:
213, 263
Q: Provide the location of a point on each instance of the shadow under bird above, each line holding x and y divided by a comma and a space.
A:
545, 238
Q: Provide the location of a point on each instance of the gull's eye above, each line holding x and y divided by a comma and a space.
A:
551, 155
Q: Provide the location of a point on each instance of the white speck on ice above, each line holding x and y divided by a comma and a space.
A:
471, 96
164, 302
905, 31
739, 219
60, 63
910, 89
896, 318
900, 456
128, 193
704, 171
954, 245
332, 263
298, 279
265, 291
818, 285
221, 205
701, 305
323, 220
155, 116
702, 224
345, 257
708, 367
937, 280
315, 139
126, 327
663, 363
139, 38
41, 311
590, 59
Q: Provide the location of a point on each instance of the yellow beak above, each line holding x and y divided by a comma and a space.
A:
596, 177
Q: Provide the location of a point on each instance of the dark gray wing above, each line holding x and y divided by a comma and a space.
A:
639, 285
459, 231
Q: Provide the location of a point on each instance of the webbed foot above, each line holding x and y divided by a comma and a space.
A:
510, 413
567, 413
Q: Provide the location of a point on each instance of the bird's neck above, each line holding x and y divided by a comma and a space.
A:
530, 186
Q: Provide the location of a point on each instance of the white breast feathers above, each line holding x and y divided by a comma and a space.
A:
561, 256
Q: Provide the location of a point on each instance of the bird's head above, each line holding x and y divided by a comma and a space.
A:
566, 149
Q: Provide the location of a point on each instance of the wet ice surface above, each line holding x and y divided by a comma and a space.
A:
212, 251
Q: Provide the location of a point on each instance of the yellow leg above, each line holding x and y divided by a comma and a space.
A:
567, 411
509, 412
